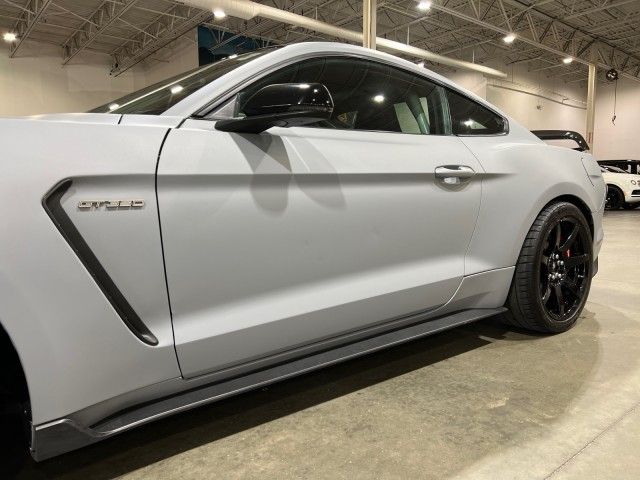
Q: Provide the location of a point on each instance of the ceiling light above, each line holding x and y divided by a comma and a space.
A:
567, 60
509, 38
219, 14
113, 106
10, 37
378, 98
231, 57
176, 89
424, 5
420, 64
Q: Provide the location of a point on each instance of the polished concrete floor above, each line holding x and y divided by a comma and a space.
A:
479, 402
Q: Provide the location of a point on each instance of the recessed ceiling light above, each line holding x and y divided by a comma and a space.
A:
378, 98
420, 64
219, 14
567, 60
176, 89
113, 106
424, 5
10, 37
509, 38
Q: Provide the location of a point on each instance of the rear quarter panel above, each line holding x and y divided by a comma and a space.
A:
522, 175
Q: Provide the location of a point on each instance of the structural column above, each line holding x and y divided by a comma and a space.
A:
369, 18
591, 104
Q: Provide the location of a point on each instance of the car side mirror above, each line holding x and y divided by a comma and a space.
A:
281, 105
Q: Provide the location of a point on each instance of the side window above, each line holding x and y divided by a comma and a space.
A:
471, 118
367, 96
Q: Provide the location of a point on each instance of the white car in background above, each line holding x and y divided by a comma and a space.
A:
266, 215
623, 188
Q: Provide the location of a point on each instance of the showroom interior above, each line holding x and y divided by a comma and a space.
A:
480, 401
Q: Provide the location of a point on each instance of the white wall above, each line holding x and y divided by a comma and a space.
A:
622, 139
179, 57
35, 82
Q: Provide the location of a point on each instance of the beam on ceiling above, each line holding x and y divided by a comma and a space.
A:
104, 17
607, 5
529, 38
28, 20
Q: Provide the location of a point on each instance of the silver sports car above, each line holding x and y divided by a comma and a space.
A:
266, 215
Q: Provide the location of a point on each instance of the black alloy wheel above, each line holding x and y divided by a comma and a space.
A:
565, 267
553, 273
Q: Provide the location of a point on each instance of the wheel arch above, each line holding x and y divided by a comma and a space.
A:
12, 368
615, 185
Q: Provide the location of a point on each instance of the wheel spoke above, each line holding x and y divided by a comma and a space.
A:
573, 288
572, 262
559, 298
558, 234
570, 239
546, 295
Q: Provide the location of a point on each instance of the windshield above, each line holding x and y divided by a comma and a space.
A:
615, 169
158, 98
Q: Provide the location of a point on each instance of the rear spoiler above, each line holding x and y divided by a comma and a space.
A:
563, 135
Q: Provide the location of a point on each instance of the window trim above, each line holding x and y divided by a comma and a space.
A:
206, 112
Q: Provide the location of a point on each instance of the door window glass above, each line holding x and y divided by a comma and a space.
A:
471, 118
367, 96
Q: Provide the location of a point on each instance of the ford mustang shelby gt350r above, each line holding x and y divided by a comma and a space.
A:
271, 213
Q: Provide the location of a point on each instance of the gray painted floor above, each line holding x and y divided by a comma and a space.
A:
473, 403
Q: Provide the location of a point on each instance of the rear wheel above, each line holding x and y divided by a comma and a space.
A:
615, 198
14, 411
553, 274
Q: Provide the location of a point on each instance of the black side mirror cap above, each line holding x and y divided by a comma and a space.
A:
282, 105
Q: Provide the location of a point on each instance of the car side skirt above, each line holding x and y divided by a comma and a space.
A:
64, 435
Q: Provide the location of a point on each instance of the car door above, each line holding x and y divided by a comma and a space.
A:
287, 241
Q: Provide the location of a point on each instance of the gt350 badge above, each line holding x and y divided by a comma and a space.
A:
110, 204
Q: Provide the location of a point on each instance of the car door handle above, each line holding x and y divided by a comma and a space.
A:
454, 173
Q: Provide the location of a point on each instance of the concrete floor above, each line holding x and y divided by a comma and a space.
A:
481, 402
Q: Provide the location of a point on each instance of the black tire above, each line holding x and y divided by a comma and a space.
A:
553, 274
615, 198
14, 407
631, 206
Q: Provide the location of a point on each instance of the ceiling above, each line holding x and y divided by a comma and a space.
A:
603, 31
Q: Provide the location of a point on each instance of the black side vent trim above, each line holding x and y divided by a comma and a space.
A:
53, 207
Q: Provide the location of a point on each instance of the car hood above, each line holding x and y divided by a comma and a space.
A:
621, 177
101, 118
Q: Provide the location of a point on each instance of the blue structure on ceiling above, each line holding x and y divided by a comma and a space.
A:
215, 44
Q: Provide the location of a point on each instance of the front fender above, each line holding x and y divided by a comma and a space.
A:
74, 347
